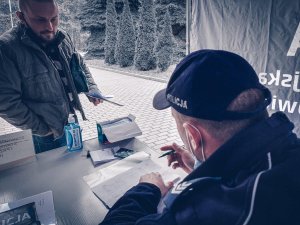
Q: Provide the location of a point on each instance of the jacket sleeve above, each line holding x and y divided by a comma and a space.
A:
12, 108
136, 203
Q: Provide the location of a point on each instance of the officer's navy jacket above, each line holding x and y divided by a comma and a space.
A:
254, 179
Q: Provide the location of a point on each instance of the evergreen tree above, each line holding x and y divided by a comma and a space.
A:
124, 53
164, 47
133, 5
144, 58
177, 12
68, 9
5, 21
92, 20
4, 24
176, 9
111, 32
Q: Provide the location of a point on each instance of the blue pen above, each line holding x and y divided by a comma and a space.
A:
167, 153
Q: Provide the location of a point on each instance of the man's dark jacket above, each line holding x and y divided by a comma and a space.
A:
32, 94
253, 179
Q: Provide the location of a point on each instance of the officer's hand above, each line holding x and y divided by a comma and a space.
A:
156, 179
182, 158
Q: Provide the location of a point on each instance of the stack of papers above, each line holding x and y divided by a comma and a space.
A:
110, 171
110, 190
102, 156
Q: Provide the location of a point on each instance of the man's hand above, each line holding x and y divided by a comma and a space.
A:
181, 158
96, 101
94, 96
156, 179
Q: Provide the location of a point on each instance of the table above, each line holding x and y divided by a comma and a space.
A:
62, 172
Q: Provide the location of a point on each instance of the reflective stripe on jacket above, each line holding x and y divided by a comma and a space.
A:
252, 179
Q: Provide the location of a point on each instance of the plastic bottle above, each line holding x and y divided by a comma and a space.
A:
73, 135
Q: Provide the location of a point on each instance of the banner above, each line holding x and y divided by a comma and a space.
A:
266, 33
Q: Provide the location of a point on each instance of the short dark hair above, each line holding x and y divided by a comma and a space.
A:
23, 4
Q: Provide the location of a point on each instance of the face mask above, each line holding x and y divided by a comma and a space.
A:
197, 162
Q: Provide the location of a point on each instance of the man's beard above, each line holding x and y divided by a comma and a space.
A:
47, 36
39, 37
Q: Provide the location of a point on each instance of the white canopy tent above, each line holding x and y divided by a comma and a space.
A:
266, 33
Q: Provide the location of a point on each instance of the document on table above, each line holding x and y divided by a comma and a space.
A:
121, 166
112, 189
102, 156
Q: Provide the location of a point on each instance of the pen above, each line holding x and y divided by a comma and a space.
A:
167, 153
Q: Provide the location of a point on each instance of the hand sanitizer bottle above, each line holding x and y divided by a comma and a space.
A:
73, 135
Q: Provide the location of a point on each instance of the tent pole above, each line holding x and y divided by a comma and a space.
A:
188, 25
10, 13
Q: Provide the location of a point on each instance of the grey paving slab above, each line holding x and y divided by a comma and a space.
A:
136, 94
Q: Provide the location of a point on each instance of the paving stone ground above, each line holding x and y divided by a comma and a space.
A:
136, 94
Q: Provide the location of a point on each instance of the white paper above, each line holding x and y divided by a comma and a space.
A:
113, 170
15, 147
102, 156
43, 203
111, 190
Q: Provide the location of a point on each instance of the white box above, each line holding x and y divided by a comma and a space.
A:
117, 130
16, 148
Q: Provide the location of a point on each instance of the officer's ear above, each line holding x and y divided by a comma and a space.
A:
194, 135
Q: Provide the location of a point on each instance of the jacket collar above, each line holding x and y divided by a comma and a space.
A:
247, 147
